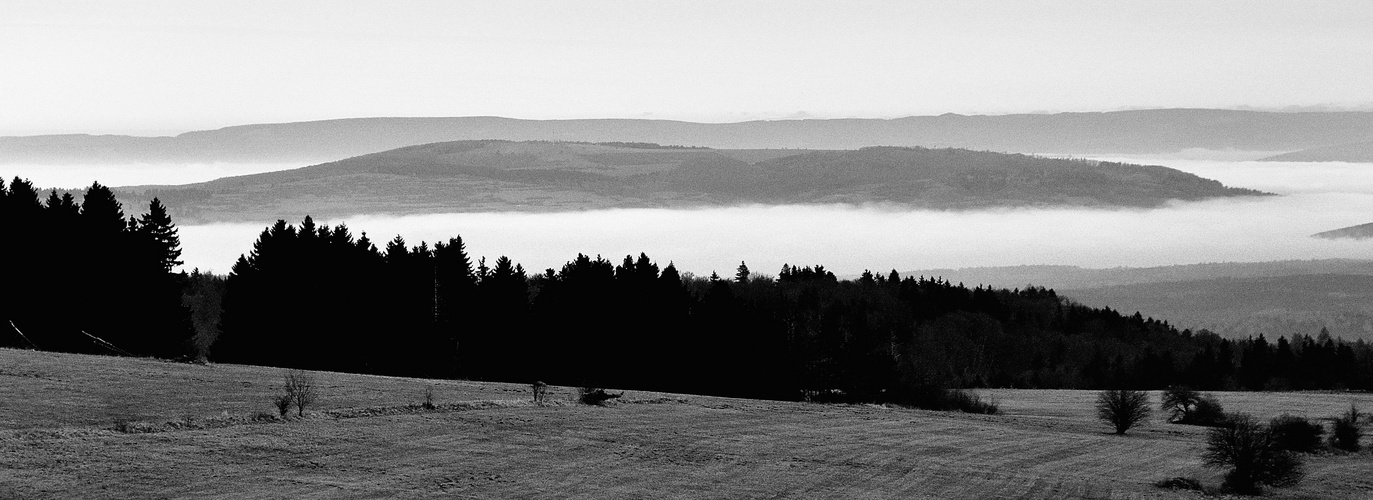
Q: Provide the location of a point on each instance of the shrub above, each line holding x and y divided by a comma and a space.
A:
1292, 433
428, 397
1186, 406
263, 416
540, 391
1122, 408
1181, 483
1207, 412
596, 396
1251, 452
300, 388
283, 404
1178, 401
929, 397
1347, 432
969, 402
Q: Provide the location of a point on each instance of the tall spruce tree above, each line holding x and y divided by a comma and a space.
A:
158, 227
741, 274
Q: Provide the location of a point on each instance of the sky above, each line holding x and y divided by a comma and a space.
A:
164, 67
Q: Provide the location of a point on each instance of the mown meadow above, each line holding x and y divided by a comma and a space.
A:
209, 431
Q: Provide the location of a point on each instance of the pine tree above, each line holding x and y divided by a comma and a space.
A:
741, 275
157, 225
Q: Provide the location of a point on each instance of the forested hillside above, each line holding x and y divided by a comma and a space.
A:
501, 176
422, 310
1240, 307
315, 296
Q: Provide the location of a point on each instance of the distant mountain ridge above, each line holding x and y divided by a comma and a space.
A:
466, 176
1144, 131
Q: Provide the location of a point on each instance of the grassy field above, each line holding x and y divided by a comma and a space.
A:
367, 438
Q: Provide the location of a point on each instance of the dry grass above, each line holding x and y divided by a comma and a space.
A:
370, 437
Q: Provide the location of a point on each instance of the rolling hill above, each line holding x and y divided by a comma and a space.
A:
1241, 307
1074, 277
1359, 232
1355, 152
1136, 132
465, 176
1236, 299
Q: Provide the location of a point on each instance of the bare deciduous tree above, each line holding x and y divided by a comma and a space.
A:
1122, 408
300, 387
1252, 452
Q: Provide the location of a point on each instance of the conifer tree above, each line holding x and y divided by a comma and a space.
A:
157, 225
741, 274
101, 212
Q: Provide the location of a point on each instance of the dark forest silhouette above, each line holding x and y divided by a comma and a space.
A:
316, 297
80, 277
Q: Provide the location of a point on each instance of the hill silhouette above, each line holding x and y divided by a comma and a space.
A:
1138, 132
1358, 232
541, 176
1354, 152
1234, 299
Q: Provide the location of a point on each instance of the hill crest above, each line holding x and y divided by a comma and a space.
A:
1137, 132
497, 175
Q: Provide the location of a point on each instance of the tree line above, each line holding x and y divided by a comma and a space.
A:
81, 277
430, 310
314, 296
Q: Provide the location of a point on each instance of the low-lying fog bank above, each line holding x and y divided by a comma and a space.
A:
848, 239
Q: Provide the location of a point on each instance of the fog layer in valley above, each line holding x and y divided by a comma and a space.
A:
848, 239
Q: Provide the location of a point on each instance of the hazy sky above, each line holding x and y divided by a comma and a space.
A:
149, 67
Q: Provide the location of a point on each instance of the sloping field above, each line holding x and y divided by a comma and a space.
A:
485, 440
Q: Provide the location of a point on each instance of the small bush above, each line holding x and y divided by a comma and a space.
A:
1189, 407
596, 396
263, 416
1208, 412
283, 404
1347, 431
1122, 408
1181, 483
1251, 452
1292, 433
929, 397
300, 388
428, 397
970, 402
1179, 402
540, 391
